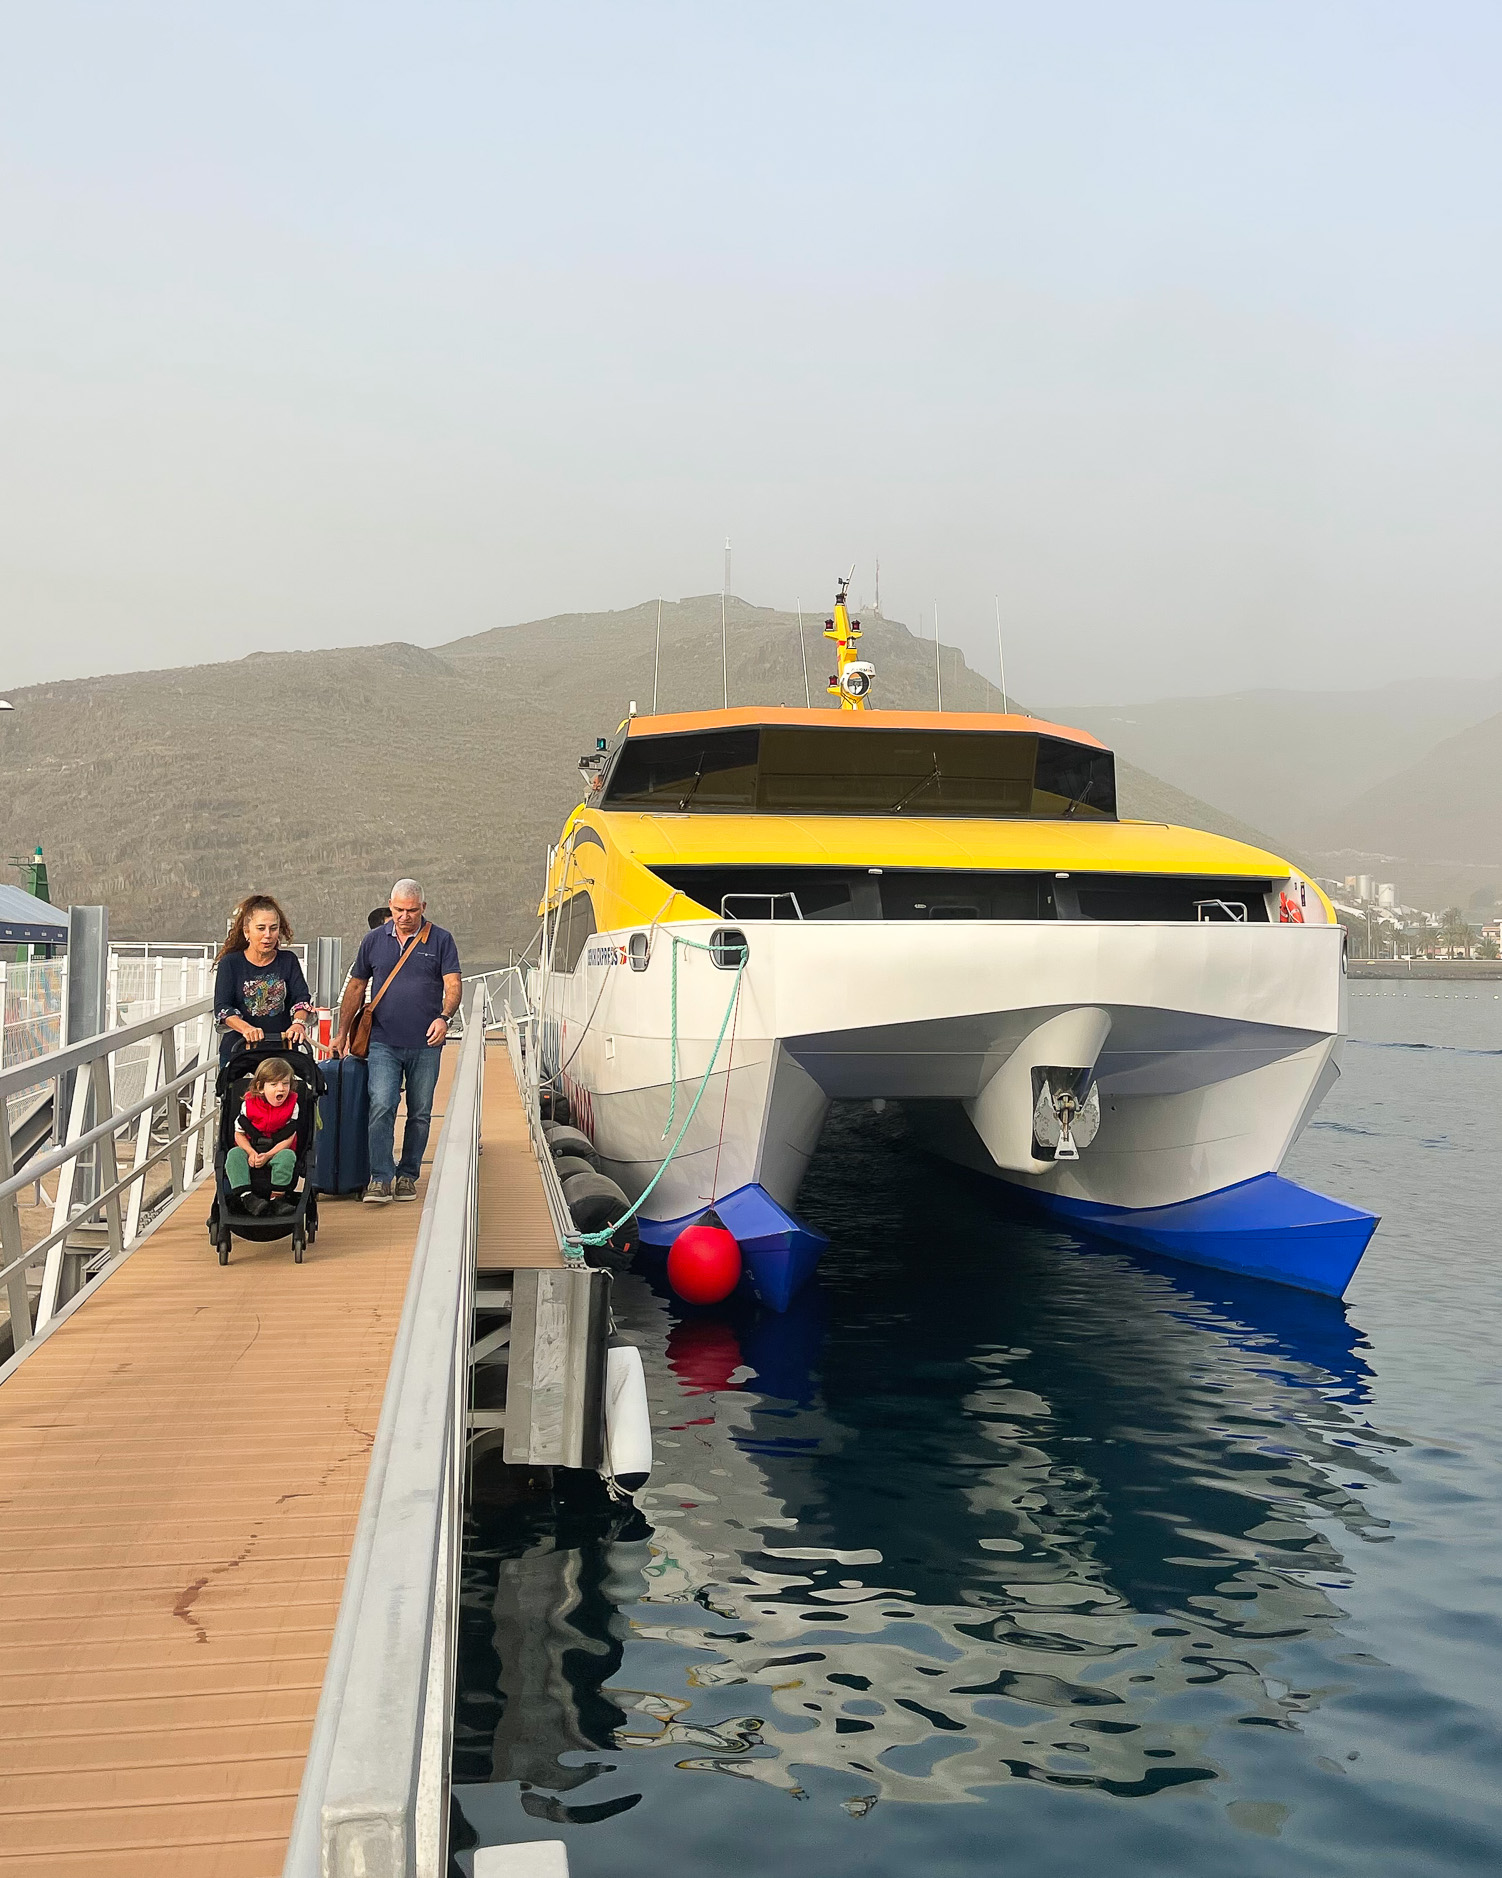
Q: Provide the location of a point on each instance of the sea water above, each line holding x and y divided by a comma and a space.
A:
1008, 1550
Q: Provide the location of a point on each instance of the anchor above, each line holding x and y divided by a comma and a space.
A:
1064, 1121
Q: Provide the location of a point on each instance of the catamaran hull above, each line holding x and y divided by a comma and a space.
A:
1209, 1046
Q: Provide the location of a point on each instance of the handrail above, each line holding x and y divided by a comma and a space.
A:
496, 995
38, 1168
77, 1055
78, 1136
375, 1783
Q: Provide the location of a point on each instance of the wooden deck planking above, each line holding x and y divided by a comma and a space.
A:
181, 1469
516, 1228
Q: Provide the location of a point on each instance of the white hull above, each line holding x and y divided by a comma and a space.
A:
1211, 1045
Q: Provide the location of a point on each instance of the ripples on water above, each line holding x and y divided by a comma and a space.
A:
1008, 1545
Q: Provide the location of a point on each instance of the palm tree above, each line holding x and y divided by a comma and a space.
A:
1454, 931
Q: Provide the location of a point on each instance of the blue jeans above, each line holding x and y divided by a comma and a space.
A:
388, 1067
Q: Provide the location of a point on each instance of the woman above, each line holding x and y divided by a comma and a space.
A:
259, 987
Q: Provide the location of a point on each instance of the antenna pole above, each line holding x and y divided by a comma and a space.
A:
876, 603
656, 657
1001, 657
938, 670
803, 649
724, 652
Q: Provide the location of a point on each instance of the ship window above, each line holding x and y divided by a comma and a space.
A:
1169, 897
704, 770
1072, 779
728, 948
794, 768
897, 772
574, 929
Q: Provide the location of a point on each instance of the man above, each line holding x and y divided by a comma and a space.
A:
407, 1033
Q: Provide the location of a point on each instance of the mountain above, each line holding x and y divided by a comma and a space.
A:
1433, 827
1292, 760
323, 776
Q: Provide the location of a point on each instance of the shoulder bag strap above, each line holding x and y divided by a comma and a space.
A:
411, 946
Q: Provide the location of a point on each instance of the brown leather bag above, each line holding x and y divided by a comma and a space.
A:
359, 1036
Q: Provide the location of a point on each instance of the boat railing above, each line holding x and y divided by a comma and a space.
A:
165, 1122
374, 1796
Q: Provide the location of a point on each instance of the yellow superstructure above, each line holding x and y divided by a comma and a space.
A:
613, 853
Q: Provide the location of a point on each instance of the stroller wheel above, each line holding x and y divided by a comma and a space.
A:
223, 1244
299, 1240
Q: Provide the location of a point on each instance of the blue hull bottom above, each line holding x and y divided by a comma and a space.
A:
778, 1251
1267, 1227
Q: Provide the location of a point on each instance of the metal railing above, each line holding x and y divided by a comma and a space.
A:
501, 987
374, 1796
140, 982
521, 1046
96, 1133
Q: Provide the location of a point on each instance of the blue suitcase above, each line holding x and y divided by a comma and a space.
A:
341, 1158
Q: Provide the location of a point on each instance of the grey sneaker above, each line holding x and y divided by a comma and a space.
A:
378, 1193
406, 1187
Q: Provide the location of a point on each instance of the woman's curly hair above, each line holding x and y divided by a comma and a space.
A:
235, 940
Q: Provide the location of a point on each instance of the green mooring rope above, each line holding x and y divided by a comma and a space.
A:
578, 1241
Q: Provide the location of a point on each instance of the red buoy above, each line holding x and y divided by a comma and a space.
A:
704, 1265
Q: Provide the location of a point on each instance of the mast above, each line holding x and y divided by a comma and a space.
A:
938, 671
852, 677
1001, 659
803, 653
724, 652
656, 657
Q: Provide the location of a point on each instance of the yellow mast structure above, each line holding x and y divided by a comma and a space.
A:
851, 681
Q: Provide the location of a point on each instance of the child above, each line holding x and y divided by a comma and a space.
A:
265, 1132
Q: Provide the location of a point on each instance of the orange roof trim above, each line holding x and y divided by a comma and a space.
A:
756, 714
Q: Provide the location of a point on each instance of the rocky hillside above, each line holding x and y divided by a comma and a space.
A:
321, 776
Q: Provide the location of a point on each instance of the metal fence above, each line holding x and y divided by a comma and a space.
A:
141, 982
164, 1122
374, 1796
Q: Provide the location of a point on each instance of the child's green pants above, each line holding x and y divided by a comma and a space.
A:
283, 1168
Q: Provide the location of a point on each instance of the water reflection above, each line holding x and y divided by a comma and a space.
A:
988, 1508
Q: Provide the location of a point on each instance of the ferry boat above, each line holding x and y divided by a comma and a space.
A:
758, 911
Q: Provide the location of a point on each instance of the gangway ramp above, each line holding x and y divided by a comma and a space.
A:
230, 1504
181, 1469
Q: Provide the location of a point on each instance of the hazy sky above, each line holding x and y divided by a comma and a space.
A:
1179, 326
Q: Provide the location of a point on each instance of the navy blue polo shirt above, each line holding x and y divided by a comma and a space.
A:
403, 1015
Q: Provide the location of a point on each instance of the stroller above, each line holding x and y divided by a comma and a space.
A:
235, 1075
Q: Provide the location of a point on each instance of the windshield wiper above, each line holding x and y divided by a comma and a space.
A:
902, 803
1081, 799
698, 778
